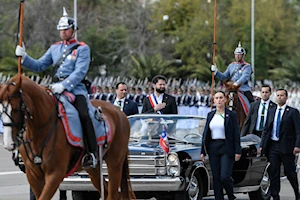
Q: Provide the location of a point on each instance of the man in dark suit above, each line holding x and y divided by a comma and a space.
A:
159, 102
126, 105
280, 142
257, 117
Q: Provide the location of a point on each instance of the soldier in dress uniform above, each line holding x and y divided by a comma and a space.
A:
68, 75
111, 95
131, 93
238, 72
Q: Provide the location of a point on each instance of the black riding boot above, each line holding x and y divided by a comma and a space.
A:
89, 137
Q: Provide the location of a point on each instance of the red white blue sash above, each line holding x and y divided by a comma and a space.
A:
154, 102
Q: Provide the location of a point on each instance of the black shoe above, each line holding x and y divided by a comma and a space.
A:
89, 161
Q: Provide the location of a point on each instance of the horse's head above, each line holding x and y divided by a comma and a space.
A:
232, 99
12, 109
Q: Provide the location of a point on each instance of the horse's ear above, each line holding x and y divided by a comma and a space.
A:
17, 82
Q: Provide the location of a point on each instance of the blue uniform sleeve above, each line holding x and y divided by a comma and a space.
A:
224, 75
81, 68
245, 75
38, 65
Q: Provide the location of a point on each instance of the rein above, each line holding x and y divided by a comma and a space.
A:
24, 112
231, 99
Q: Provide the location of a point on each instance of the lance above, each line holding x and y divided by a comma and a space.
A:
21, 19
214, 52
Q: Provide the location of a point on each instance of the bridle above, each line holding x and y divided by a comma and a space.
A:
231, 99
24, 112
21, 127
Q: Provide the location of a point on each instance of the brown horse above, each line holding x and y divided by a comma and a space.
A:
233, 102
31, 119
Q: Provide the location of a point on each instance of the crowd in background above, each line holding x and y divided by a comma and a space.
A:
192, 97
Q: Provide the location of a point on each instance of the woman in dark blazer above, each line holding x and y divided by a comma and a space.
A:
221, 141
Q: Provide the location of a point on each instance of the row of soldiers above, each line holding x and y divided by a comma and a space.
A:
191, 97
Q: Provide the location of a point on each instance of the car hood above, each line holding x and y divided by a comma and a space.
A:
154, 148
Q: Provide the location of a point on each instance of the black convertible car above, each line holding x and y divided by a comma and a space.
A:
171, 168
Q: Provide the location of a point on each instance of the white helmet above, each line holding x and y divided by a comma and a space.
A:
66, 22
240, 50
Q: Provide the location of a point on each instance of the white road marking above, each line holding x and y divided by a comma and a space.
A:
9, 173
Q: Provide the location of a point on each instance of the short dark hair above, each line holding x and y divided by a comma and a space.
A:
158, 77
120, 83
270, 90
220, 91
281, 89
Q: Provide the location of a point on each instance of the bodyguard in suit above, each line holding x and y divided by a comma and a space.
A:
159, 102
257, 117
221, 141
128, 106
280, 142
70, 68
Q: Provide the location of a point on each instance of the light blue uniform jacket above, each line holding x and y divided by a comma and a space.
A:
75, 65
241, 76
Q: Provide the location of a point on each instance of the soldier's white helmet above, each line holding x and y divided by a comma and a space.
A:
66, 22
240, 50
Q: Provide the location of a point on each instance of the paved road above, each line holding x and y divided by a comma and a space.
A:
14, 185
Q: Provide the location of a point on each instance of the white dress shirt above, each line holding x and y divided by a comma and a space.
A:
122, 103
273, 137
217, 127
260, 108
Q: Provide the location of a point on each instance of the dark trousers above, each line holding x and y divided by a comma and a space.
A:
89, 137
31, 195
221, 167
288, 160
249, 96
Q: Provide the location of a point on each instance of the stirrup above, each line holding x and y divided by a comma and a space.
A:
86, 163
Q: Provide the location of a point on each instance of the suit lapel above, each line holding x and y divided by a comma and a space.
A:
210, 116
286, 112
271, 114
165, 98
256, 107
226, 118
125, 104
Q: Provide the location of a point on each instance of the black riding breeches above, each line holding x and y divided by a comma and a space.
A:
89, 137
249, 96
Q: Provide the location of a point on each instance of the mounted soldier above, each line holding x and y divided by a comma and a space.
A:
237, 73
71, 61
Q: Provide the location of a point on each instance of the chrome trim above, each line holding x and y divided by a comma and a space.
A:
138, 184
200, 165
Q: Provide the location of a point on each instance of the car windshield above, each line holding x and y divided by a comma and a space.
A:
182, 128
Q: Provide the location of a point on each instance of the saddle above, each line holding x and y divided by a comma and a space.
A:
72, 125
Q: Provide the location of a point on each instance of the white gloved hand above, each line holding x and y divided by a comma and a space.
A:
214, 68
20, 51
57, 88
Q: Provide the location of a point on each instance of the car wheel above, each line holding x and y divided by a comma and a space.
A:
195, 191
263, 193
77, 195
255, 195
265, 186
81, 195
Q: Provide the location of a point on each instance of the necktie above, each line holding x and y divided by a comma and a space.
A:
278, 122
262, 117
120, 104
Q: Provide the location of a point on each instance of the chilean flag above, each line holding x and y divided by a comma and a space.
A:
163, 142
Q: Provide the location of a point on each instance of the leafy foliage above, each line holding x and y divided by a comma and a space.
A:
170, 37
